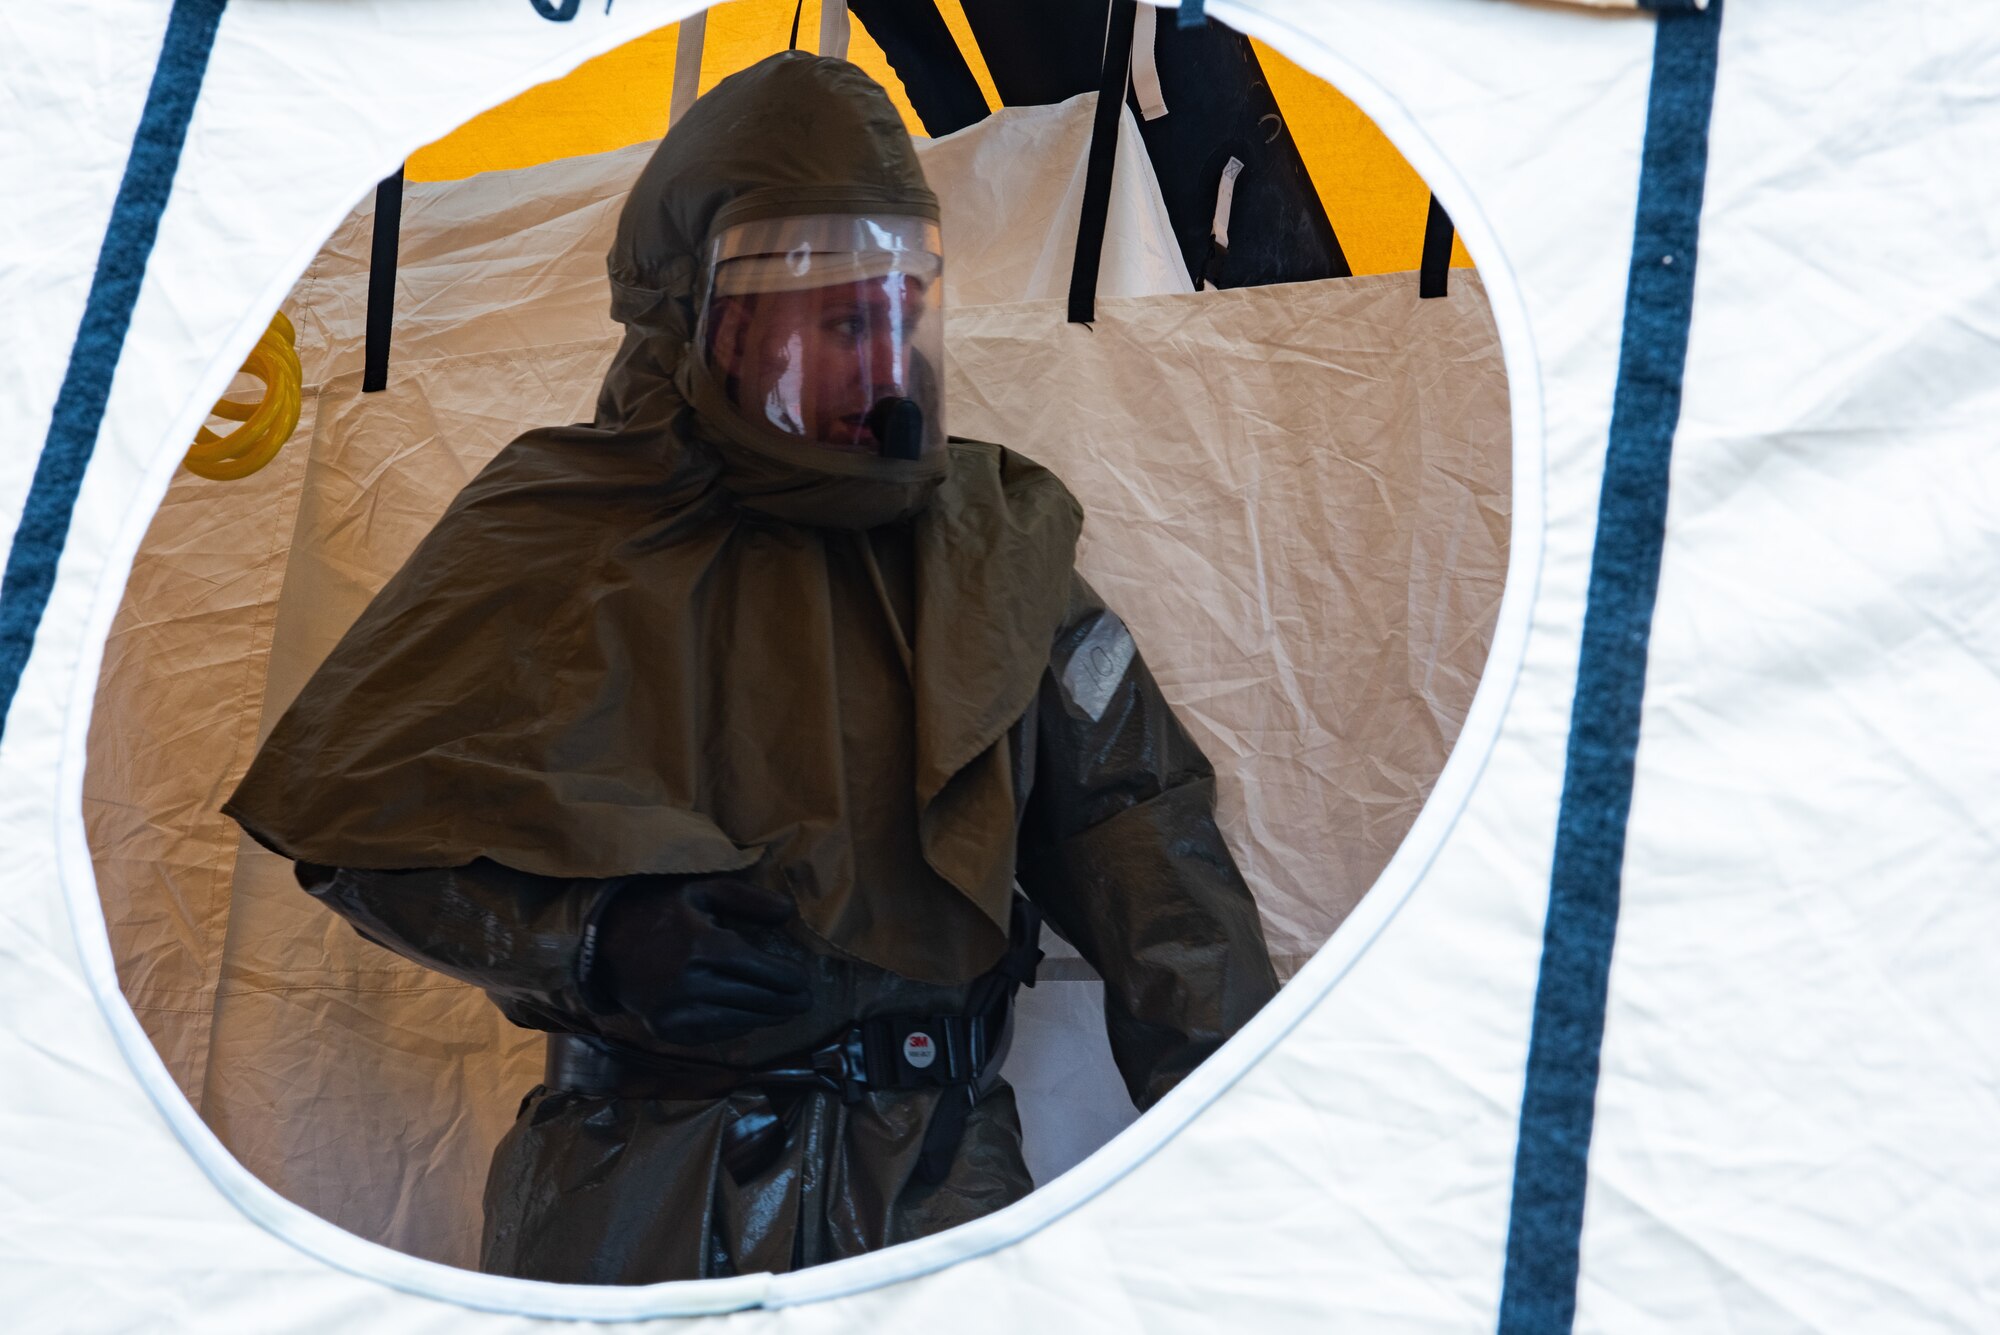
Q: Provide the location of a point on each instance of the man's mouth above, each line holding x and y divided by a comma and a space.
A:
851, 435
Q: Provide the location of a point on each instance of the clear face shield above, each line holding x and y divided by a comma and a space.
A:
830, 328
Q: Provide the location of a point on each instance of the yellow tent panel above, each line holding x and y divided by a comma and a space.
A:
1375, 199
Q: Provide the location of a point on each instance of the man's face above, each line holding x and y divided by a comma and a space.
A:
814, 361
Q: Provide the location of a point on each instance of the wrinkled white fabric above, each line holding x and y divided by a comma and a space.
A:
1016, 181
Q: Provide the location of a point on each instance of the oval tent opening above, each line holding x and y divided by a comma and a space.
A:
1229, 320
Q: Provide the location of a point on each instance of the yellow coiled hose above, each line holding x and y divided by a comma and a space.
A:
267, 423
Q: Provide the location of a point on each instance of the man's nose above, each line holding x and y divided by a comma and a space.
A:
884, 364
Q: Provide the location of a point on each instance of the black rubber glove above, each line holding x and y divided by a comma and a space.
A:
668, 955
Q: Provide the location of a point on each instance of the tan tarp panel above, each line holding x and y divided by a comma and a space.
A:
1312, 568
1312, 572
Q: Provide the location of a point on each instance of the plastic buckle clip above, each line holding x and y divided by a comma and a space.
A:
842, 1066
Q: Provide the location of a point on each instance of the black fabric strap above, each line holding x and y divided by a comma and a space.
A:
382, 283
1103, 157
1434, 270
946, 1131
797, 10
991, 1010
925, 56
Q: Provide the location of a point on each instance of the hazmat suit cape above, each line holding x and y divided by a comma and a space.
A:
675, 641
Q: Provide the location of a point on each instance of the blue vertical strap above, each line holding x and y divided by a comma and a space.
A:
100, 339
1434, 269
1100, 159
384, 244
1538, 1294
1191, 15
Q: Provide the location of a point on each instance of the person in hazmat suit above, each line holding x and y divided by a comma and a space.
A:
712, 737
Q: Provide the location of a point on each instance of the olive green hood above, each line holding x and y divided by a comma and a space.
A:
667, 641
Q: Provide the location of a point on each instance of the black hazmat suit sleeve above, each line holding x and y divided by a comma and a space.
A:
1120, 850
527, 940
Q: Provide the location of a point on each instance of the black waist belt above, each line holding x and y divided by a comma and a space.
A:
959, 1053
886, 1052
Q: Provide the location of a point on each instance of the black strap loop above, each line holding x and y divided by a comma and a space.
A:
1434, 270
382, 283
1102, 158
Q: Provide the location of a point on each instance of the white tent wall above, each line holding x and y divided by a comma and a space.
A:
1377, 1213
1812, 825
252, 196
1798, 1120
1332, 519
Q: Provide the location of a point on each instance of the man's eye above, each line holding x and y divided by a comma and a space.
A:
849, 327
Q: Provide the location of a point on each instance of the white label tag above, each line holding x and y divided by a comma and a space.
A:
1098, 665
919, 1051
833, 29
1146, 65
1225, 201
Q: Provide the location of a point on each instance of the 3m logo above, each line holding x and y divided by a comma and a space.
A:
919, 1051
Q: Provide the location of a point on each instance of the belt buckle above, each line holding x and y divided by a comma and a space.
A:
842, 1067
